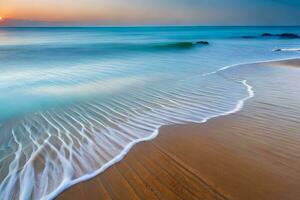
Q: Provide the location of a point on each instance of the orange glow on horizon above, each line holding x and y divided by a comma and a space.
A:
101, 11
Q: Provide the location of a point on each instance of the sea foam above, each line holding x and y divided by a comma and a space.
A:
54, 149
74, 101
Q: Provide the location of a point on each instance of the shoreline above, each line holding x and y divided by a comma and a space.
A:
153, 136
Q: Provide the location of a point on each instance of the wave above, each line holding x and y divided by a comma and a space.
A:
176, 45
55, 149
287, 49
238, 65
155, 133
89, 50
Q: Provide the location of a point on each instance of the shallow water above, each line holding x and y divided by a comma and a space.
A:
74, 100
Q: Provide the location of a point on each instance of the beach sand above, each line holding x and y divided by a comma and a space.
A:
250, 155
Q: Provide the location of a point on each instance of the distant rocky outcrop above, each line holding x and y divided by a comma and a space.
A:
282, 35
270, 35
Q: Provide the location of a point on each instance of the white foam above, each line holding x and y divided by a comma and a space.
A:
238, 107
239, 64
94, 119
118, 158
287, 49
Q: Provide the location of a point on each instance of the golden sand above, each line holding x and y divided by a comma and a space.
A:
249, 155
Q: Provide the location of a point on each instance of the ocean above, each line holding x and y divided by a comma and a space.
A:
73, 101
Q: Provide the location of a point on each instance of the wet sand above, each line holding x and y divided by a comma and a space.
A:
252, 154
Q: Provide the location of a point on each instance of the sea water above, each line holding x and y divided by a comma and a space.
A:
73, 101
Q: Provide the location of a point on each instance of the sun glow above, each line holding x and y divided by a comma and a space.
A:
1, 18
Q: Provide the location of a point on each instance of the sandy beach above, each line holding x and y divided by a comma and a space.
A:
251, 154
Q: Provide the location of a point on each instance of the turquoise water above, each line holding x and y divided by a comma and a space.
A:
74, 100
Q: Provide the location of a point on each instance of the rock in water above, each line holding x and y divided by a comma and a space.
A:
203, 42
282, 35
289, 35
267, 35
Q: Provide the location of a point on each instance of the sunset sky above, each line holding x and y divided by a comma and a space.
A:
152, 12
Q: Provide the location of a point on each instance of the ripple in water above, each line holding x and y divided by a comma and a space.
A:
110, 96
53, 149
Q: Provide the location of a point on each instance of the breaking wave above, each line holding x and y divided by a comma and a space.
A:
48, 151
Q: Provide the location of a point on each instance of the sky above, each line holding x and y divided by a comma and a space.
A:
150, 12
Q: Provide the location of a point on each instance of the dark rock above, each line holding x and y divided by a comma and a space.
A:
203, 42
270, 35
288, 35
282, 35
267, 35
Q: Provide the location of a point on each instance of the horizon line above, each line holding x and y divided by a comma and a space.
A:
137, 26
